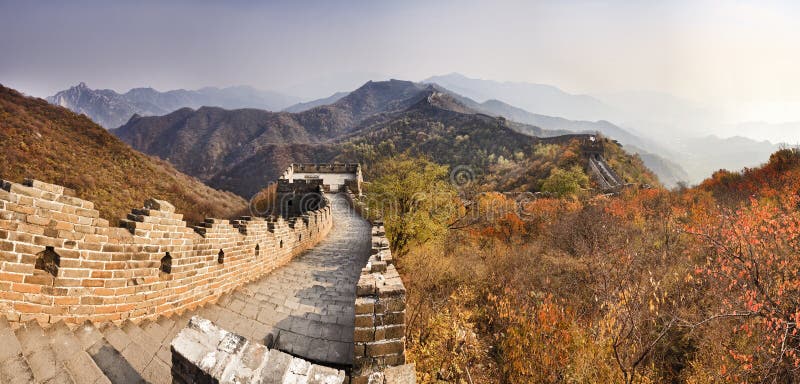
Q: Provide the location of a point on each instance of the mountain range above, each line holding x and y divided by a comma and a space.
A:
664, 145
668, 171
242, 150
672, 134
536, 98
111, 109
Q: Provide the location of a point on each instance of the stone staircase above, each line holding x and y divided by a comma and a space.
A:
604, 175
129, 353
110, 353
107, 353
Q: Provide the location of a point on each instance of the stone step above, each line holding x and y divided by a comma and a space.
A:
39, 354
155, 331
63, 341
113, 363
80, 365
141, 351
148, 344
88, 335
159, 369
178, 323
155, 362
14, 368
166, 322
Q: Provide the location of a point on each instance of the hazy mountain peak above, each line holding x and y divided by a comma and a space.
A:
537, 98
111, 109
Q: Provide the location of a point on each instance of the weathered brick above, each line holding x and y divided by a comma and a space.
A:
92, 282
43, 278
87, 213
65, 282
365, 305
14, 277
66, 300
101, 274
28, 308
364, 334
18, 267
26, 288
394, 318
37, 220
48, 205
40, 185
384, 348
9, 256
20, 237
21, 208
62, 225
74, 273
390, 332
48, 241
364, 321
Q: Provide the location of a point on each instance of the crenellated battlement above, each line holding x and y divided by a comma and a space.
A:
332, 177
60, 261
326, 168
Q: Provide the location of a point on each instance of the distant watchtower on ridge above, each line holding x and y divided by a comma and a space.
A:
592, 146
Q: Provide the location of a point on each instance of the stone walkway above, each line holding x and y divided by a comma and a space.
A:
305, 308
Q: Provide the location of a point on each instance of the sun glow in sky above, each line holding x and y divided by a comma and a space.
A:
740, 58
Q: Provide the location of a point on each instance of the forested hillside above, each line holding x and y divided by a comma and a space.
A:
650, 286
53, 144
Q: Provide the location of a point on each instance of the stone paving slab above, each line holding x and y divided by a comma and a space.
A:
307, 305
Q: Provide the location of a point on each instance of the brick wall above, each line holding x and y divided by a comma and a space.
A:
379, 336
154, 265
298, 197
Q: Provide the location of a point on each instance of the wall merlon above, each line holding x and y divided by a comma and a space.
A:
159, 205
56, 189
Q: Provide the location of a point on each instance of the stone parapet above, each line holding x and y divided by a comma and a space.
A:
60, 261
379, 336
204, 353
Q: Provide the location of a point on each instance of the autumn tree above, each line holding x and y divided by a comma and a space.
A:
565, 182
753, 264
414, 198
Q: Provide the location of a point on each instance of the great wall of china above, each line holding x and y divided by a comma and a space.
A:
309, 298
307, 295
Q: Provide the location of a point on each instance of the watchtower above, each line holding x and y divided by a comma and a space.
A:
334, 177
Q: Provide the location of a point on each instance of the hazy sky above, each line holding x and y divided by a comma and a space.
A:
743, 57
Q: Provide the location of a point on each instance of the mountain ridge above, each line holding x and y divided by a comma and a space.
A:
224, 147
111, 109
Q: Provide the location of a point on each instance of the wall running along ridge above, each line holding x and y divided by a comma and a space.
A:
103, 273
